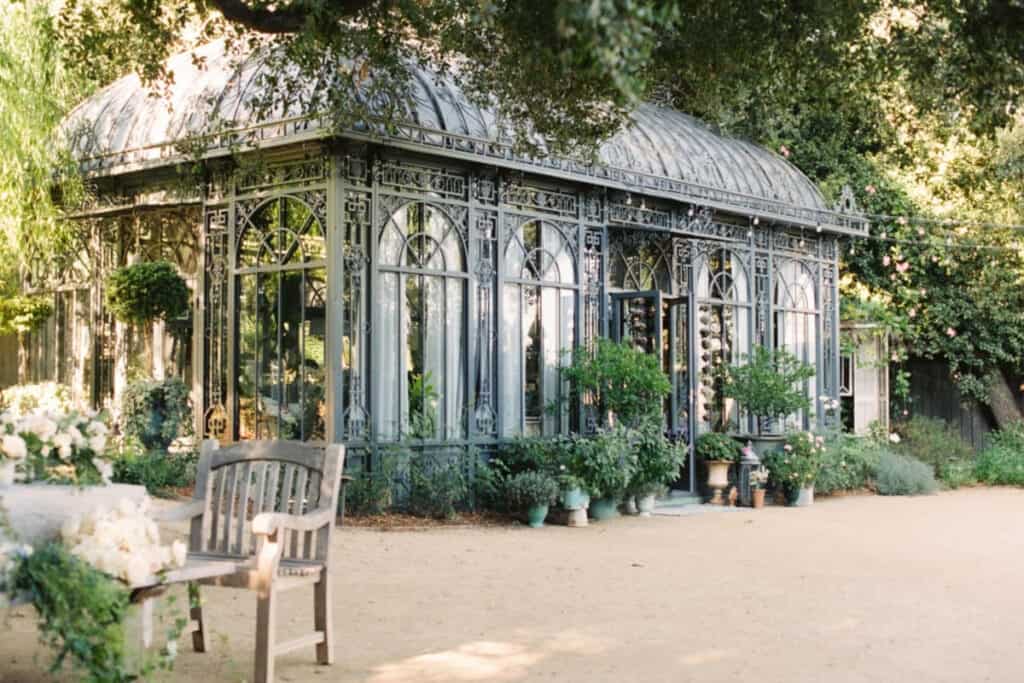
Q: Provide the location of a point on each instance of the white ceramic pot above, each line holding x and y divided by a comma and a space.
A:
645, 505
805, 497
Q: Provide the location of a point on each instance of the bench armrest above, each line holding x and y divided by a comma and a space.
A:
267, 523
180, 513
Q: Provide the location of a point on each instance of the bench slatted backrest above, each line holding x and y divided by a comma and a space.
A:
241, 480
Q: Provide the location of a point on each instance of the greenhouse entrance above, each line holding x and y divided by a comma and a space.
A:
656, 323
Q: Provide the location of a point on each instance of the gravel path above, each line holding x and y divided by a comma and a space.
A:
861, 588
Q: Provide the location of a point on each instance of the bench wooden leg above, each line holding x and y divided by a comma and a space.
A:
322, 621
195, 612
265, 636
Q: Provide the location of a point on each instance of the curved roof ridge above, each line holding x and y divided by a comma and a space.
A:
119, 130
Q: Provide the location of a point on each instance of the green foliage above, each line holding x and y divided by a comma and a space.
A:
769, 384
936, 443
901, 475
604, 462
623, 380
148, 291
527, 489
80, 612
156, 412
657, 459
1002, 460
437, 486
717, 446
798, 462
162, 473
848, 463
370, 493
21, 314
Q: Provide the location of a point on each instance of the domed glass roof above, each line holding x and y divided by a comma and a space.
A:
126, 127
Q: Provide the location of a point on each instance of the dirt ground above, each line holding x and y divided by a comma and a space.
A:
861, 588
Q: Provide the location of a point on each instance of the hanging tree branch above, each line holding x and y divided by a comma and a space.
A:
289, 18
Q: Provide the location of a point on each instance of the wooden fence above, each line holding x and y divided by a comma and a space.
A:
933, 394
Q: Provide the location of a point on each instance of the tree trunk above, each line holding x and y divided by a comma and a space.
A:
1002, 400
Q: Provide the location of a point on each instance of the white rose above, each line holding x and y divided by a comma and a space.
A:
77, 438
894, 437
96, 428
105, 468
13, 446
98, 443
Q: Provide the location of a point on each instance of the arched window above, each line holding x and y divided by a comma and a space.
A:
281, 279
796, 322
537, 326
724, 317
639, 261
419, 336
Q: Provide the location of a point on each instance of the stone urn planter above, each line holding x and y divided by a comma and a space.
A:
645, 505
37, 511
718, 478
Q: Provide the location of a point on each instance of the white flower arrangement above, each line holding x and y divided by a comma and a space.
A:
122, 541
48, 397
55, 445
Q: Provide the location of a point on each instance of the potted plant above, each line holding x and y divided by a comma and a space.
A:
758, 483
657, 464
604, 462
769, 385
718, 451
794, 467
532, 493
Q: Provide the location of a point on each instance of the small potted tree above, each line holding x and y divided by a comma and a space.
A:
718, 451
795, 466
532, 493
769, 385
657, 464
605, 463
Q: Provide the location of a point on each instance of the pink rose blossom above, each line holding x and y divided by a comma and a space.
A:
950, 332
870, 189
912, 313
886, 260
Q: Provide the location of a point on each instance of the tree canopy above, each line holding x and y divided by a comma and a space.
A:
914, 104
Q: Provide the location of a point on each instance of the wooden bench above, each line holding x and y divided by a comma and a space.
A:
262, 517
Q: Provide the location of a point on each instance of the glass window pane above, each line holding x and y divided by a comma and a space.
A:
511, 352
390, 375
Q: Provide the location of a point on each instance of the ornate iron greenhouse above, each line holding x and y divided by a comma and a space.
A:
421, 283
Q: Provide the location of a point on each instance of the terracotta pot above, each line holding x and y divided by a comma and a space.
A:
757, 500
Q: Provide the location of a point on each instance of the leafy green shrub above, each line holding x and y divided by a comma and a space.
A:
902, 475
959, 473
527, 489
769, 383
437, 486
604, 462
623, 380
148, 291
848, 463
80, 612
156, 412
657, 459
370, 493
798, 462
159, 471
1002, 461
934, 442
20, 314
717, 446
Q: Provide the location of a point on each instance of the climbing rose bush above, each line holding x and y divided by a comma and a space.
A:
122, 541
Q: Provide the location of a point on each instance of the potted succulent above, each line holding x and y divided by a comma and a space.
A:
769, 385
718, 451
604, 462
795, 466
758, 483
657, 464
532, 493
